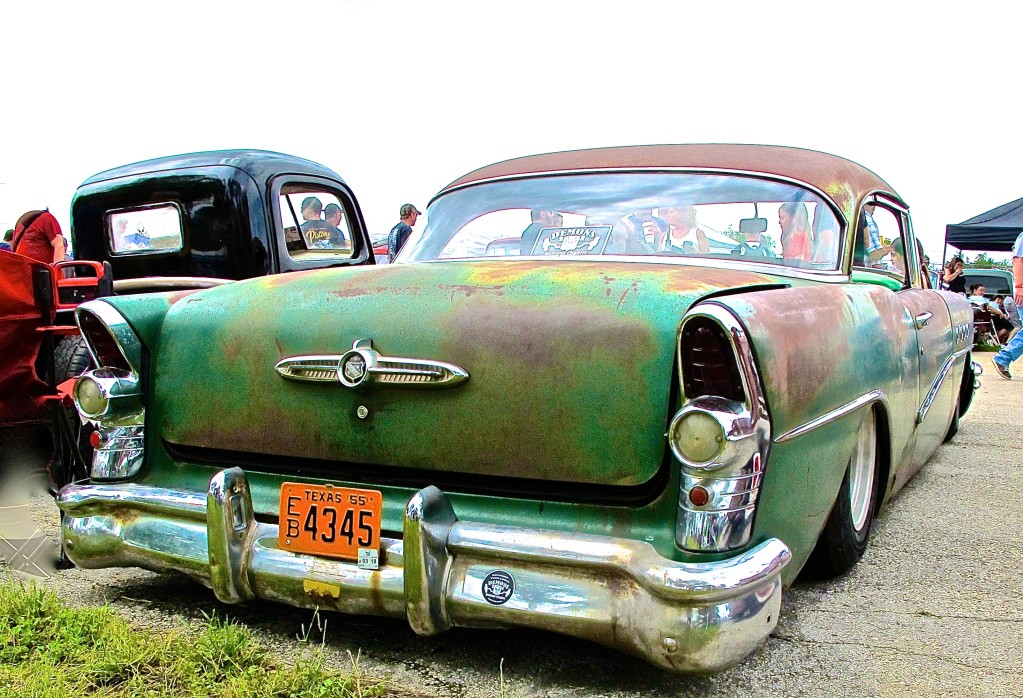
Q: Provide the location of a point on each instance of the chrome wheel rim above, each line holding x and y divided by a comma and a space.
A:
861, 473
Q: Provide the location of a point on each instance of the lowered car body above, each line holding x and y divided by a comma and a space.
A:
637, 430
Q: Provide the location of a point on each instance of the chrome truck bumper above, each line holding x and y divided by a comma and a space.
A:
618, 592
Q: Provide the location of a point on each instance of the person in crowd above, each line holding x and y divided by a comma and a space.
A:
333, 214
1013, 349
1011, 312
684, 235
925, 266
998, 318
953, 276
37, 235
631, 234
319, 234
825, 236
5, 244
539, 219
873, 248
796, 239
641, 225
751, 246
399, 234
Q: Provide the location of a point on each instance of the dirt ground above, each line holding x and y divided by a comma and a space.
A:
931, 610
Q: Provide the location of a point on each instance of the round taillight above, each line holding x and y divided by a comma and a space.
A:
95, 440
90, 397
697, 437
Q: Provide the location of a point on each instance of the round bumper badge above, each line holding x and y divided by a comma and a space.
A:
498, 587
352, 369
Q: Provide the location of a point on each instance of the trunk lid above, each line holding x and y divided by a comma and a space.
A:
569, 363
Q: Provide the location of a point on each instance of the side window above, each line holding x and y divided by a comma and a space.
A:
314, 222
879, 241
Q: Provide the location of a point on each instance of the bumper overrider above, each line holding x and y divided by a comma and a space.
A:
444, 572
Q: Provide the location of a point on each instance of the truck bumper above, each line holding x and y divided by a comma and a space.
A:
444, 572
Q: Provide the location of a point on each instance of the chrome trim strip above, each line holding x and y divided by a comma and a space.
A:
681, 616
367, 366
147, 283
925, 407
124, 336
834, 415
723, 262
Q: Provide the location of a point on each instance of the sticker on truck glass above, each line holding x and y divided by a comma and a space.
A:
498, 587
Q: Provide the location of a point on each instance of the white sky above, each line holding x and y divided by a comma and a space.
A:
400, 98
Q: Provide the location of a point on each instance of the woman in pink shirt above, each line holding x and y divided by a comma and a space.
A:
796, 240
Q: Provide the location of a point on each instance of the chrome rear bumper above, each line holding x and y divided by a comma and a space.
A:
618, 592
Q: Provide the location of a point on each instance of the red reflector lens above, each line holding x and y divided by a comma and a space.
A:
95, 440
699, 496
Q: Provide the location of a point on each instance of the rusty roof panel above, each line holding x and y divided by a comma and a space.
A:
840, 178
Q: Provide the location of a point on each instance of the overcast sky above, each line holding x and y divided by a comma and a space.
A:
401, 98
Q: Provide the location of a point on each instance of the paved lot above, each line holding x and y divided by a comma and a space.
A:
932, 609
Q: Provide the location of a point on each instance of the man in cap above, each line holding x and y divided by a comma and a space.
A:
400, 232
333, 214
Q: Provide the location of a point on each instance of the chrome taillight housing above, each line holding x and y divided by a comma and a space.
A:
111, 396
721, 440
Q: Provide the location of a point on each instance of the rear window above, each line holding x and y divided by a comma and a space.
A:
994, 284
151, 229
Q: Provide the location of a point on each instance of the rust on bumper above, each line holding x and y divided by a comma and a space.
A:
615, 591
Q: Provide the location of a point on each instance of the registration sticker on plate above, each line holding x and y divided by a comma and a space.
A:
331, 521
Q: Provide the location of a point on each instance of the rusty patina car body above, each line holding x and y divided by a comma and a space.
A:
615, 434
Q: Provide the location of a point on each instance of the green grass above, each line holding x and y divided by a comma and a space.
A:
48, 649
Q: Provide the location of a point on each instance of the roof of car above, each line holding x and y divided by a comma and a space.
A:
259, 164
842, 179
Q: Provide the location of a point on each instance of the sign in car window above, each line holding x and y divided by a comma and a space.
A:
142, 230
578, 240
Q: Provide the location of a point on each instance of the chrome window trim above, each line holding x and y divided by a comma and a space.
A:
124, 336
943, 372
821, 276
834, 415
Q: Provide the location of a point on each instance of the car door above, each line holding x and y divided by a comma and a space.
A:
929, 315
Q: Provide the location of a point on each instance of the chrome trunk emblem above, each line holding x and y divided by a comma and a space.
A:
362, 365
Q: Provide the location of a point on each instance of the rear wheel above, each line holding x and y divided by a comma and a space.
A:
953, 428
844, 538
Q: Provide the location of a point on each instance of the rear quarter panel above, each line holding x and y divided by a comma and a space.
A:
818, 348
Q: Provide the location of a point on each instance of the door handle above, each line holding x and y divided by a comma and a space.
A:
922, 319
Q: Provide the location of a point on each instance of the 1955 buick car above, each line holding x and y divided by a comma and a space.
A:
692, 371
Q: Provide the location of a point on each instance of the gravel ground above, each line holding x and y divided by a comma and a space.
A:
931, 610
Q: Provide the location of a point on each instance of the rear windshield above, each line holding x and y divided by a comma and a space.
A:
635, 214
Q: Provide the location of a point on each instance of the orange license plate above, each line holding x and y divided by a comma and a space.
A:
331, 521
